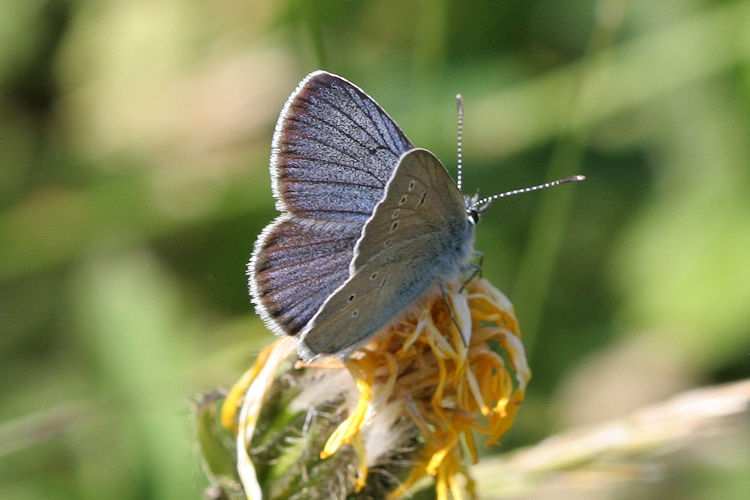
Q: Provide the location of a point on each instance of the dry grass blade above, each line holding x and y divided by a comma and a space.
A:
619, 450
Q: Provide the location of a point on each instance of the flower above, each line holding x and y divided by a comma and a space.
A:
404, 407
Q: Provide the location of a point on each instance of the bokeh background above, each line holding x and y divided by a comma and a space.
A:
134, 143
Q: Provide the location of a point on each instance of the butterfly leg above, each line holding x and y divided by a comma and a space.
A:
450, 308
476, 269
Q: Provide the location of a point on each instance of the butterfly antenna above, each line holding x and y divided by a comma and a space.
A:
481, 205
459, 147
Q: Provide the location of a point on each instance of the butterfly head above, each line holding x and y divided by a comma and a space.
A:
474, 210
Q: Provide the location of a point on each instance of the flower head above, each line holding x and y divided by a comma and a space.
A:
403, 408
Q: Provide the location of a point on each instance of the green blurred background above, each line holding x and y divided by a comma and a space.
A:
134, 143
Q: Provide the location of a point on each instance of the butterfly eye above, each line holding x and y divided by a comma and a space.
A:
412, 185
350, 298
473, 216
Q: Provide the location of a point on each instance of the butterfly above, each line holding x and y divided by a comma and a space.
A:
368, 222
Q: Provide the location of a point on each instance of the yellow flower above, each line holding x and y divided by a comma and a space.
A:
450, 367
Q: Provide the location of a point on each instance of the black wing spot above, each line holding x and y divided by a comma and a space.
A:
394, 226
355, 313
350, 298
412, 185
421, 200
373, 276
403, 199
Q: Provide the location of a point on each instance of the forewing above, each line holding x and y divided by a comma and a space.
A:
296, 265
421, 198
333, 151
394, 264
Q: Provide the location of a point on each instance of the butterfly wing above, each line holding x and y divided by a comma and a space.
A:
297, 263
333, 151
422, 198
418, 234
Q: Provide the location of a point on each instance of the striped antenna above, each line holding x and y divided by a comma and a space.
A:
459, 147
481, 205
